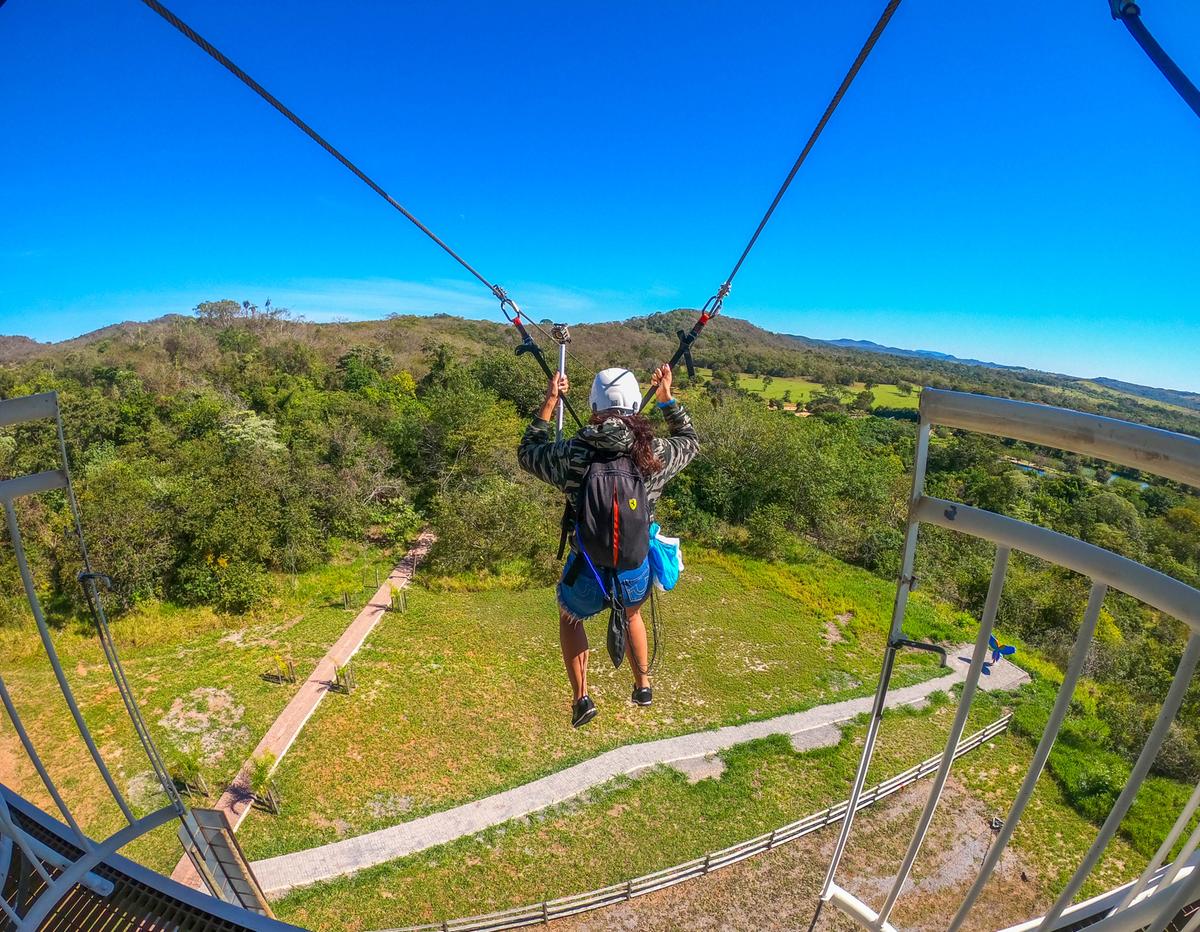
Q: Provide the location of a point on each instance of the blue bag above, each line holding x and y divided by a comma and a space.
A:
666, 559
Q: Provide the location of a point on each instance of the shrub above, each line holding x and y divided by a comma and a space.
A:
1091, 778
769, 535
230, 586
240, 587
488, 527
399, 520
128, 528
879, 548
188, 773
1180, 754
260, 773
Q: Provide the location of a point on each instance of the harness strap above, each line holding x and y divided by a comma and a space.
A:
568, 522
595, 572
572, 574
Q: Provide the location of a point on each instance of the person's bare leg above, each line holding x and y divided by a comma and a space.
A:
574, 642
636, 649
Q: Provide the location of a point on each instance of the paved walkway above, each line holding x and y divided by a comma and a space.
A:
811, 728
237, 799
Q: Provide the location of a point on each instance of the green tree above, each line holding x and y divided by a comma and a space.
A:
221, 312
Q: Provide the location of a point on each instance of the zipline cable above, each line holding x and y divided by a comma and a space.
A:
1130, 14
712, 307
316, 137
880, 26
527, 343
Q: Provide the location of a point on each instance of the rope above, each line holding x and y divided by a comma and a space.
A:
316, 137
884, 19
1129, 14
652, 662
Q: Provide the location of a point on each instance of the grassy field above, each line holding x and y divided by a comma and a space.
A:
197, 677
1108, 391
886, 396
889, 396
465, 696
634, 826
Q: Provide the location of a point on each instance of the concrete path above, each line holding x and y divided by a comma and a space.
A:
237, 799
811, 728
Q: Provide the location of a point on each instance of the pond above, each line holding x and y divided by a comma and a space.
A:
1028, 467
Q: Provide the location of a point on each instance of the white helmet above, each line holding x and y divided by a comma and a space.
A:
616, 390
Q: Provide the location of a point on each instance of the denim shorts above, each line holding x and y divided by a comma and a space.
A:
584, 598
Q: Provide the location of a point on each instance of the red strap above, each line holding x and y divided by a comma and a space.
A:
616, 529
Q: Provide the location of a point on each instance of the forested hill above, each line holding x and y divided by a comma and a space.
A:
175, 351
1169, 395
215, 454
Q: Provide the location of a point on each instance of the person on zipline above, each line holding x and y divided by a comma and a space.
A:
613, 472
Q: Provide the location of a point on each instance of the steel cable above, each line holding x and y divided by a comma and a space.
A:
712, 307
1129, 14
320, 140
884, 19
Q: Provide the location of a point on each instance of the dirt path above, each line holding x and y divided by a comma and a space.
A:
812, 728
789, 878
237, 799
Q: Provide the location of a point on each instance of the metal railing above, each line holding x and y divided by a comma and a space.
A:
58, 876
121, 895
549, 910
1171, 455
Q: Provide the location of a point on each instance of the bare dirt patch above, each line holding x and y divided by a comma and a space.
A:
388, 805
709, 767
206, 722
779, 889
245, 637
144, 791
833, 627
340, 826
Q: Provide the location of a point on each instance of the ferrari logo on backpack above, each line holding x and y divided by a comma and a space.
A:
633, 504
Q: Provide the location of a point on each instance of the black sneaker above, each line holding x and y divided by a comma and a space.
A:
643, 695
582, 712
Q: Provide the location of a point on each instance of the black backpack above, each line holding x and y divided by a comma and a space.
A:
612, 516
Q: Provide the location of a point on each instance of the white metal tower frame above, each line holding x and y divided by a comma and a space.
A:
1158, 895
58, 872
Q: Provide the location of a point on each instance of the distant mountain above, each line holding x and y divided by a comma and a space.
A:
868, 347
16, 347
1171, 396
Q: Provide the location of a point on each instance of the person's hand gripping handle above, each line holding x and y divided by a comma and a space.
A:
556, 388
661, 382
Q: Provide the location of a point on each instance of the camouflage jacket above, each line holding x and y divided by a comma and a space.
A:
564, 463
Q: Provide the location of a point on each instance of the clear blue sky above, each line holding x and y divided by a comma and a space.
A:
1013, 182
